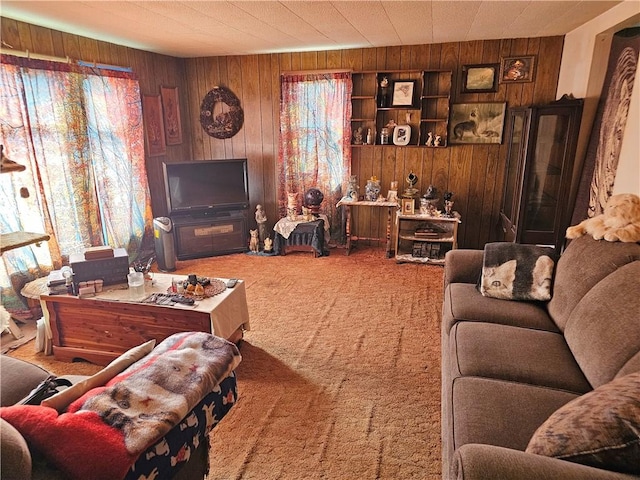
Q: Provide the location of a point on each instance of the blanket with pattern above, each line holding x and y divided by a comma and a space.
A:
102, 433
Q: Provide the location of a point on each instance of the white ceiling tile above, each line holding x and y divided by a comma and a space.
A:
192, 28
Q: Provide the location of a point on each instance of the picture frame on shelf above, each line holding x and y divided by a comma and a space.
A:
153, 125
517, 69
171, 115
480, 78
476, 123
401, 135
402, 95
408, 206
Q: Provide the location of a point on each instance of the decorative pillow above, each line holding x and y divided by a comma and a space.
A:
512, 271
601, 428
60, 401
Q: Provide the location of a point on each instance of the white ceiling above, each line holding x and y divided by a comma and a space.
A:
216, 28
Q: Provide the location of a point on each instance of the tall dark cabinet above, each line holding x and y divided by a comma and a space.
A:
539, 170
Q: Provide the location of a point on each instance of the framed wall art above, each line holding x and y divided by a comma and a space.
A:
171, 111
403, 93
482, 78
476, 122
153, 127
517, 69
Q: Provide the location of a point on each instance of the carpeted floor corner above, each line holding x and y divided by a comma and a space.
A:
340, 377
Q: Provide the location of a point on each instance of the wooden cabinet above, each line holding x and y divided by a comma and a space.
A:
424, 107
216, 234
539, 169
425, 239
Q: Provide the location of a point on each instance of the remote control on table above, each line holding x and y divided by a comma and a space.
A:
182, 299
232, 282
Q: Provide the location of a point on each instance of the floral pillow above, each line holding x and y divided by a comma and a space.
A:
600, 429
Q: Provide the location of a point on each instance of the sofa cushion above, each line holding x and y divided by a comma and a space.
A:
599, 429
497, 412
514, 271
583, 264
463, 302
18, 379
15, 455
516, 354
603, 331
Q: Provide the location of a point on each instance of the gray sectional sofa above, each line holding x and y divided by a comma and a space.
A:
507, 366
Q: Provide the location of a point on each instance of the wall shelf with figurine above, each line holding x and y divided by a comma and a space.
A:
401, 108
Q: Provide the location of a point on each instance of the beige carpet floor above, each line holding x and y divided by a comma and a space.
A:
340, 377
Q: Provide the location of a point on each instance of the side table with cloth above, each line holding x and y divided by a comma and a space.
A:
299, 233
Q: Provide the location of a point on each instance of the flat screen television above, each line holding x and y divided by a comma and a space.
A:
206, 186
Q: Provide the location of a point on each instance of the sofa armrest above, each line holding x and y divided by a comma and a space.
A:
479, 462
462, 266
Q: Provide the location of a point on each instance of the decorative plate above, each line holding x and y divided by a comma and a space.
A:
224, 125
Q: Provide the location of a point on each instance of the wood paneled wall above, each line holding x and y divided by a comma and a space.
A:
473, 172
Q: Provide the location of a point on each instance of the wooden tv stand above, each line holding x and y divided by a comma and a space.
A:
99, 329
215, 233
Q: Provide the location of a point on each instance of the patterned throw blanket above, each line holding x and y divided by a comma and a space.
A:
102, 433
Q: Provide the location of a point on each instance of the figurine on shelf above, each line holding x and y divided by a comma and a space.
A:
358, 136
448, 204
429, 201
437, 141
383, 94
429, 139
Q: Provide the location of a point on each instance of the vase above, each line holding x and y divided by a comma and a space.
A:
372, 189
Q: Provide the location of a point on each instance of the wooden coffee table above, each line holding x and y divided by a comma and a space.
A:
98, 329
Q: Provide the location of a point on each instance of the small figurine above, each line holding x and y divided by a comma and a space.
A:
268, 244
358, 136
261, 220
429, 139
448, 204
436, 142
254, 242
306, 214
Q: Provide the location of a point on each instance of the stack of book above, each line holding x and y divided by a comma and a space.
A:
98, 253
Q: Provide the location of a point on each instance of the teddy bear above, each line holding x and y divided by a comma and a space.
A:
619, 222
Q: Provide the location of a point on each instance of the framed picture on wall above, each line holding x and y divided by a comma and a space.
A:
403, 93
171, 115
476, 122
481, 78
153, 127
517, 69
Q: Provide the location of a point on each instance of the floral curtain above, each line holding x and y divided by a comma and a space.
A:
315, 137
78, 130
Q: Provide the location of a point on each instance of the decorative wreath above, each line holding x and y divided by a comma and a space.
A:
224, 125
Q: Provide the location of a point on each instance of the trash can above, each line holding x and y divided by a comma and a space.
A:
164, 244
